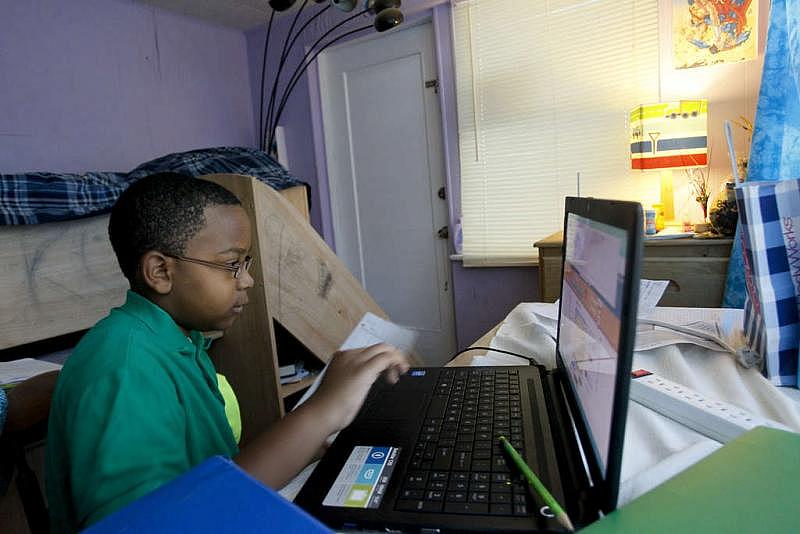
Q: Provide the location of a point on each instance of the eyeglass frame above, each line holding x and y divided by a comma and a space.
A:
243, 266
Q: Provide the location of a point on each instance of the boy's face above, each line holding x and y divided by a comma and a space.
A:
205, 298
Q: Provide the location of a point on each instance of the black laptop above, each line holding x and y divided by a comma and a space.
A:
423, 455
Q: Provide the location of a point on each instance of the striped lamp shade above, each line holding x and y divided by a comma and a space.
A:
669, 135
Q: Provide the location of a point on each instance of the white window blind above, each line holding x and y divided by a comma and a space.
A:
544, 88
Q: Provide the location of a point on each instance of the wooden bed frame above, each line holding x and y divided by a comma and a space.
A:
60, 278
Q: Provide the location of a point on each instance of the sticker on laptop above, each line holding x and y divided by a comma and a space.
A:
363, 480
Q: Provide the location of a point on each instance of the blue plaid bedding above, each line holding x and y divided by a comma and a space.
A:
35, 198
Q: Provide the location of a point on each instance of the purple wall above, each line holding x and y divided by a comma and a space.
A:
482, 297
108, 84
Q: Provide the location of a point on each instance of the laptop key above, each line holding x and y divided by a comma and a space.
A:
444, 455
407, 505
462, 461
440, 476
412, 494
434, 495
520, 509
481, 465
500, 498
416, 480
458, 485
456, 496
500, 509
466, 508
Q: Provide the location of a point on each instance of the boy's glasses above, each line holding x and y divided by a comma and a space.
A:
236, 268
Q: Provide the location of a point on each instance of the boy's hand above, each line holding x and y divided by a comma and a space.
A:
349, 377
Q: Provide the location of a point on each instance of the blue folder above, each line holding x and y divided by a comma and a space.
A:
216, 496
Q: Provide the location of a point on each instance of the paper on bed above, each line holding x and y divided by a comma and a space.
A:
370, 330
723, 323
16, 371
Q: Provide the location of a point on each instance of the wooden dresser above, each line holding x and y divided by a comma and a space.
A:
696, 269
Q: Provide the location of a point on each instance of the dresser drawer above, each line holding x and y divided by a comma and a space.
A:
693, 282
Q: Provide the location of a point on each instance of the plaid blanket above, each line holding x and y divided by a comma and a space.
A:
40, 197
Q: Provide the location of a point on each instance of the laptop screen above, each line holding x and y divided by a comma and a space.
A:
590, 321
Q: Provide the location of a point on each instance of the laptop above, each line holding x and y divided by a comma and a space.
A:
423, 454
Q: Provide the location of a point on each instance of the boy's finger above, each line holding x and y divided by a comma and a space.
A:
385, 360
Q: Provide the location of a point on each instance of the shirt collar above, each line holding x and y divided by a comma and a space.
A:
162, 325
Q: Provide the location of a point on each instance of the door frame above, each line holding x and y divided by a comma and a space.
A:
440, 17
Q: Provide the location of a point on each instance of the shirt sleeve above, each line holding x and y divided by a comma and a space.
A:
127, 437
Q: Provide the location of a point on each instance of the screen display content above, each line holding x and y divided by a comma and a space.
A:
589, 330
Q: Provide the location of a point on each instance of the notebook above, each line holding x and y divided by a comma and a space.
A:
749, 485
424, 454
214, 496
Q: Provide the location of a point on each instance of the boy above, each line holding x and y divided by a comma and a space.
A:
138, 401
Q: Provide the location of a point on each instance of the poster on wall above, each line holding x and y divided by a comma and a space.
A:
708, 32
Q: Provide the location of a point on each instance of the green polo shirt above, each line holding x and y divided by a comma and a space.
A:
136, 405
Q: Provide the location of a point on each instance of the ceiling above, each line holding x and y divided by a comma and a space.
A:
241, 14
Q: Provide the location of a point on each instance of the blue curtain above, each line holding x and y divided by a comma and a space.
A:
775, 148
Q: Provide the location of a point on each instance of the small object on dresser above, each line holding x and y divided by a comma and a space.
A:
649, 222
723, 217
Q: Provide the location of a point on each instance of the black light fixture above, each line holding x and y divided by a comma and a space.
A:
385, 14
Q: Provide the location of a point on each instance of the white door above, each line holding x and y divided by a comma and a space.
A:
383, 143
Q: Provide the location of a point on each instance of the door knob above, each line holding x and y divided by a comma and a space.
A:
443, 232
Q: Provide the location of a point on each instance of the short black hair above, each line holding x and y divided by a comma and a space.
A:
161, 212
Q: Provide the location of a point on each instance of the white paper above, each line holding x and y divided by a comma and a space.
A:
370, 330
710, 323
650, 292
19, 370
668, 233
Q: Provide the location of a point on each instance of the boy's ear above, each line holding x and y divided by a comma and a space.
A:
155, 272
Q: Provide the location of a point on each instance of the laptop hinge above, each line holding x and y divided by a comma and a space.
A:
576, 480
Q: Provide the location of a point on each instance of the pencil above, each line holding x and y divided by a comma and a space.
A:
536, 484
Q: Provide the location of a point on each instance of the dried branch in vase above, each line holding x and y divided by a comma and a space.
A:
701, 188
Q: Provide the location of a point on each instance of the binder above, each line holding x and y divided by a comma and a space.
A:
215, 496
749, 485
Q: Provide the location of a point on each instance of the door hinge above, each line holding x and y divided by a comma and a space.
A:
434, 84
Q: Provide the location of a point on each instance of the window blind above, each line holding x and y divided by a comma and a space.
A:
543, 90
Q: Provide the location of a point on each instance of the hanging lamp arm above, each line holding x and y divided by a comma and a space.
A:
270, 106
284, 57
261, 125
271, 124
299, 74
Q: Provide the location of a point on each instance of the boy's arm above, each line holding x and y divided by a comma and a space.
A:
281, 452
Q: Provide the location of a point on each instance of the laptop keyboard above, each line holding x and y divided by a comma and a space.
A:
458, 465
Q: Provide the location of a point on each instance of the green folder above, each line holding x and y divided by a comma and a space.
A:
752, 484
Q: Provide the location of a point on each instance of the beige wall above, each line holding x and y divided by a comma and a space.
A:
731, 90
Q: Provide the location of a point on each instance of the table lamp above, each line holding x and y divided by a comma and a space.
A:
666, 136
